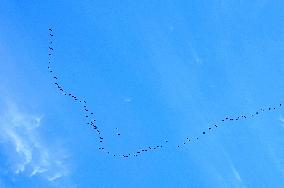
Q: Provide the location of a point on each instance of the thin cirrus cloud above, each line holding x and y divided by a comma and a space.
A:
26, 151
127, 100
282, 121
237, 176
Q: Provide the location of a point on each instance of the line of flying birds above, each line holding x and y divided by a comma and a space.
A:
89, 116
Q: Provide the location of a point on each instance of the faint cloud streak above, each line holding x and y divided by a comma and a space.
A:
282, 121
128, 100
27, 152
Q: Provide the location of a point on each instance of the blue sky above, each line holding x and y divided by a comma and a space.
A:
163, 70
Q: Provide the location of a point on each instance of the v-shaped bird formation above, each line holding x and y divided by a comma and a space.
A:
91, 120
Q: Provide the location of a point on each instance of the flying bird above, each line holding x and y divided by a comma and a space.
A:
87, 113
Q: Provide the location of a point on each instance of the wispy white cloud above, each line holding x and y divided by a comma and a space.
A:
26, 149
195, 55
54, 177
127, 99
38, 170
236, 174
282, 121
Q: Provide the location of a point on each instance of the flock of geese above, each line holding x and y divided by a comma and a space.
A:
90, 119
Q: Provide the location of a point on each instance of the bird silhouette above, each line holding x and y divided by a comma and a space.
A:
90, 115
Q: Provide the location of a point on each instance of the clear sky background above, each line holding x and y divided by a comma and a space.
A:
155, 70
